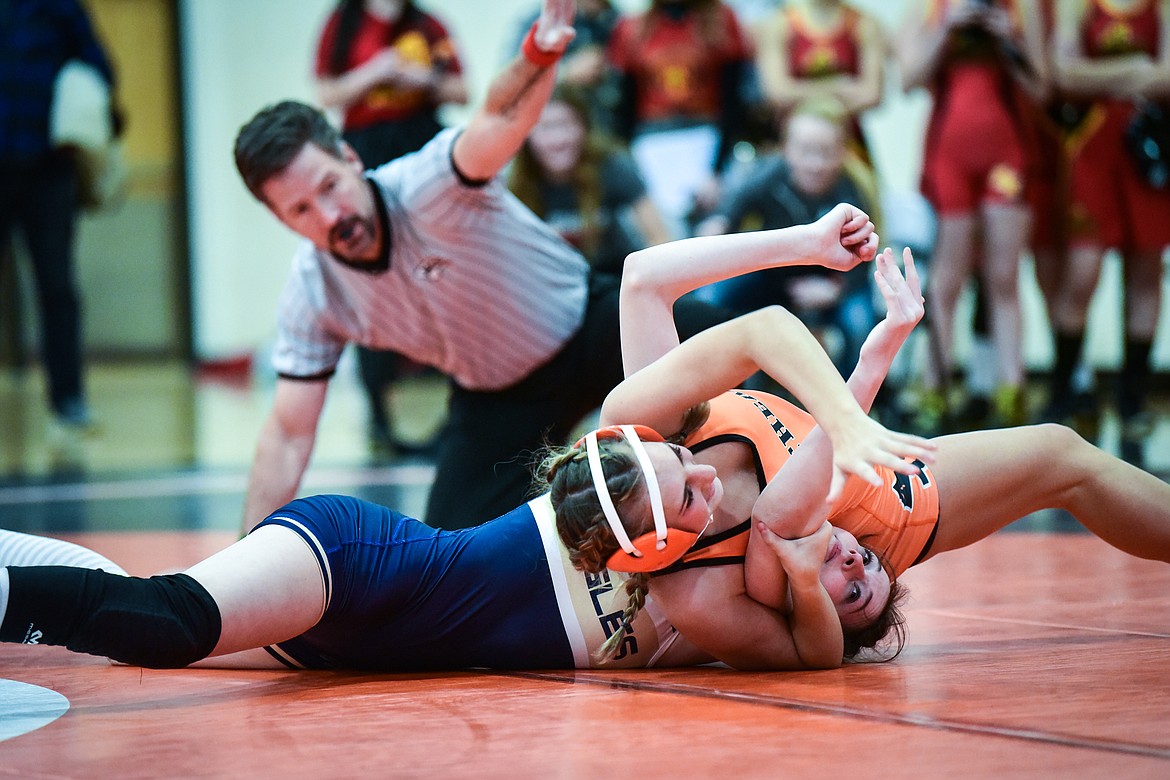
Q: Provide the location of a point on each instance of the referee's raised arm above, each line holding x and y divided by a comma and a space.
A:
516, 97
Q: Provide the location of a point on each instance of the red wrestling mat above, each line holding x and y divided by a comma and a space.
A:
1030, 655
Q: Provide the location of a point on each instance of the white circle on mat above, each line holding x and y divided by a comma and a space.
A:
27, 708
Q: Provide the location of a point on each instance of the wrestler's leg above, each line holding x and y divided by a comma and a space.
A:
949, 269
987, 479
1080, 281
1049, 264
1005, 231
268, 587
264, 589
1143, 292
1143, 303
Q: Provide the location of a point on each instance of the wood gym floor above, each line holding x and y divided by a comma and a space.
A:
1040, 652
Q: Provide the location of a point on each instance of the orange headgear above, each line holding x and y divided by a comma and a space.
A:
650, 551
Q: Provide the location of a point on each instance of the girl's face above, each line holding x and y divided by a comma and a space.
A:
851, 574
690, 491
557, 139
855, 580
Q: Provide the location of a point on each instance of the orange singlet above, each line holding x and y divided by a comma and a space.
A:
974, 144
897, 519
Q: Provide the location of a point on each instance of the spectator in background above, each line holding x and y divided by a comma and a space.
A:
39, 194
682, 65
971, 54
1053, 124
1115, 57
585, 65
795, 188
584, 185
825, 48
386, 67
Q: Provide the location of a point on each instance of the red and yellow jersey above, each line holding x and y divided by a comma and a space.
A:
420, 39
1108, 31
975, 144
677, 62
814, 53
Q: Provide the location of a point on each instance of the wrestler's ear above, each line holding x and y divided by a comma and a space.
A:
653, 557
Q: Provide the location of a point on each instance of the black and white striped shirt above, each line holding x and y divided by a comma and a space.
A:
477, 285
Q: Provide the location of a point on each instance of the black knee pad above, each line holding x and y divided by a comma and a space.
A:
163, 622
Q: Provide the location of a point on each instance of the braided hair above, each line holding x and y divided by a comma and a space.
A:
581, 523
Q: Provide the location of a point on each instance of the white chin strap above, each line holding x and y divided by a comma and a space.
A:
606, 501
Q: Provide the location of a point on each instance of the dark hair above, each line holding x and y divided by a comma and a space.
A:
889, 623
711, 28
274, 137
349, 21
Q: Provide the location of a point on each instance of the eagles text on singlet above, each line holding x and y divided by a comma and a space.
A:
611, 622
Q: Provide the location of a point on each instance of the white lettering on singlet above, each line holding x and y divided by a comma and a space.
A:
611, 622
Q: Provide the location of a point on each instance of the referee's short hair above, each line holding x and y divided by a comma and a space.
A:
270, 140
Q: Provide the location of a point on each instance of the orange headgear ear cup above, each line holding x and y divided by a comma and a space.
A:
650, 551
649, 557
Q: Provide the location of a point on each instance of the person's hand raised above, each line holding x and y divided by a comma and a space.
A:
554, 28
844, 237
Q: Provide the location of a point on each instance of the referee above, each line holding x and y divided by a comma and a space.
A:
431, 256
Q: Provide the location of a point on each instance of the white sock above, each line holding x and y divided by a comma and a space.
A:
17, 549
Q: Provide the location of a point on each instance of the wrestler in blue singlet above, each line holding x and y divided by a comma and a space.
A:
401, 595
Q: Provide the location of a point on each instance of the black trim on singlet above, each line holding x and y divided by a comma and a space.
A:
702, 562
280, 658
382, 264
722, 536
738, 438
929, 543
708, 541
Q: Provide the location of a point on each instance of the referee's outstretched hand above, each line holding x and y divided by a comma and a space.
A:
554, 29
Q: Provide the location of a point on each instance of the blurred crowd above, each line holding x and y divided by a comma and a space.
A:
1047, 137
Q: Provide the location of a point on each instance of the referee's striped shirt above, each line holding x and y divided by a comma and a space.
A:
477, 285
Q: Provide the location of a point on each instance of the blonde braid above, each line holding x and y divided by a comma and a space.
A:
636, 587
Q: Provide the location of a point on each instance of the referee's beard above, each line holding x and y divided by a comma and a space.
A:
354, 238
